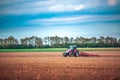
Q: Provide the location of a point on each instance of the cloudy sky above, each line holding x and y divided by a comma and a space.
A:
72, 18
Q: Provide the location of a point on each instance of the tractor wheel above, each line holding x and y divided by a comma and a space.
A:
76, 54
65, 54
70, 54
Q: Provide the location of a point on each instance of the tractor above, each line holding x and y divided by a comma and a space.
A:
71, 51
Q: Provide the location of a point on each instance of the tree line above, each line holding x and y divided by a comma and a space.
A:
58, 42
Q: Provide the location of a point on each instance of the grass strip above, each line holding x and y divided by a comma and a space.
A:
57, 49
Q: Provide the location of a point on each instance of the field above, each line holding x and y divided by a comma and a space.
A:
53, 66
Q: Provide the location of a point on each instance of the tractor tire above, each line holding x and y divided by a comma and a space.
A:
76, 54
70, 54
64, 54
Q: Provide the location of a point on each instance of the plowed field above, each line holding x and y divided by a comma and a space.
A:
53, 66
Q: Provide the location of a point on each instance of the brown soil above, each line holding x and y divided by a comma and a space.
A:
53, 66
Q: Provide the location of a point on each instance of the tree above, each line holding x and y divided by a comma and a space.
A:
11, 40
38, 42
45, 40
71, 40
119, 41
48, 39
66, 41
93, 40
57, 41
77, 41
1, 41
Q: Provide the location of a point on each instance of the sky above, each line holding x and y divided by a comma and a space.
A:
72, 18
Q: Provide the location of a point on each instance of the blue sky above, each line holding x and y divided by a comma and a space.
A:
72, 18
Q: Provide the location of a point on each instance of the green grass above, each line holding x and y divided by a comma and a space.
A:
57, 49
34, 50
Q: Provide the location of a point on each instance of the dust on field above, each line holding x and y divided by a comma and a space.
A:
52, 66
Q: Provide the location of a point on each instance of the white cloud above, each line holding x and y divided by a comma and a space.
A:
74, 20
58, 7
78, 7
31, 7
61, 7
59, 19
35, 7
112, 2
18, 7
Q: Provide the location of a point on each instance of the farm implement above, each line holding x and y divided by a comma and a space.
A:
72, 51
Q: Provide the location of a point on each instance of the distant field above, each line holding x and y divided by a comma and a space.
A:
57, 49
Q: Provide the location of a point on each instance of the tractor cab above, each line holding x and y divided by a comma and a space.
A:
72, 48
71, 51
